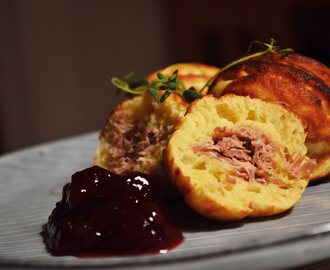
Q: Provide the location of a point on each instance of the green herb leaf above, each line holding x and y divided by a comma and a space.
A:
127, 76
154, 93
161, 76
162, 87
190, 95
162, 81
122, 85
136, 82
173, 77
172, 86
285, 51
165, 95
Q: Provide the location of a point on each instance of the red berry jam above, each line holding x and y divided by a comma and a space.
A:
104, 214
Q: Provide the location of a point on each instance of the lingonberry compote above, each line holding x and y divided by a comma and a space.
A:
104, 214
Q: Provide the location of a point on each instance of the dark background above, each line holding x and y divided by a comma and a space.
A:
57, 57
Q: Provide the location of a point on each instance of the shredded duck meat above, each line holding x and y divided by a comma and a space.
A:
130, 142
251, 154
294, 164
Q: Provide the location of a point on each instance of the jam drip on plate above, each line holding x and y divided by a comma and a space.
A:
104, 214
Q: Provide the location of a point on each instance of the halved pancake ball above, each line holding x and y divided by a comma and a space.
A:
134, 136
297, 87
137, 131
237, 157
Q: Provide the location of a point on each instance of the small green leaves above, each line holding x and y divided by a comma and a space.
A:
162, 78
173, 77
172, 84
285, 51
136, 82
190, 95
139, 85
121, 83
128, 76
162, 87
154, 93
165, 95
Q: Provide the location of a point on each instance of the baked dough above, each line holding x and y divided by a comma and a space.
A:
237, 157
137, 131
292, 79
134, 136
297, 60
191, 74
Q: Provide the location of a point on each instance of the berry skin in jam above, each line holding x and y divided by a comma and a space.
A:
103, 214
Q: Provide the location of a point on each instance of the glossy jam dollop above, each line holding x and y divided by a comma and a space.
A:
104, 214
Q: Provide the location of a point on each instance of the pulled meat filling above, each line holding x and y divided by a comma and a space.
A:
251, 154
130, 143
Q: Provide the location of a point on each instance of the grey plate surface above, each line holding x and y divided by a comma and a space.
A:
31, 182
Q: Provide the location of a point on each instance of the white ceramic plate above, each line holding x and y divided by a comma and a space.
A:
31, 183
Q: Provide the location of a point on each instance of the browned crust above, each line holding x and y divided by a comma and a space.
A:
281, 83
212, 210
269, 87
284, 81
282, 72
300, 61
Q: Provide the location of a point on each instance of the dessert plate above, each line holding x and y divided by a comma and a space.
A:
31, 182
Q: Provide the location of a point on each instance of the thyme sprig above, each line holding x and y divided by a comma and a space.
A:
171, 84
271, 48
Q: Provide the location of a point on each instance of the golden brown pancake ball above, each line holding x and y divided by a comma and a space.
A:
294, 80
134, 136
137, 131
237, 157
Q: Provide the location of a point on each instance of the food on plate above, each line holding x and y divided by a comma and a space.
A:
134, 136
237, 157
233, 148
299, 82
300, 61
191, 74
104, 214
137, 131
